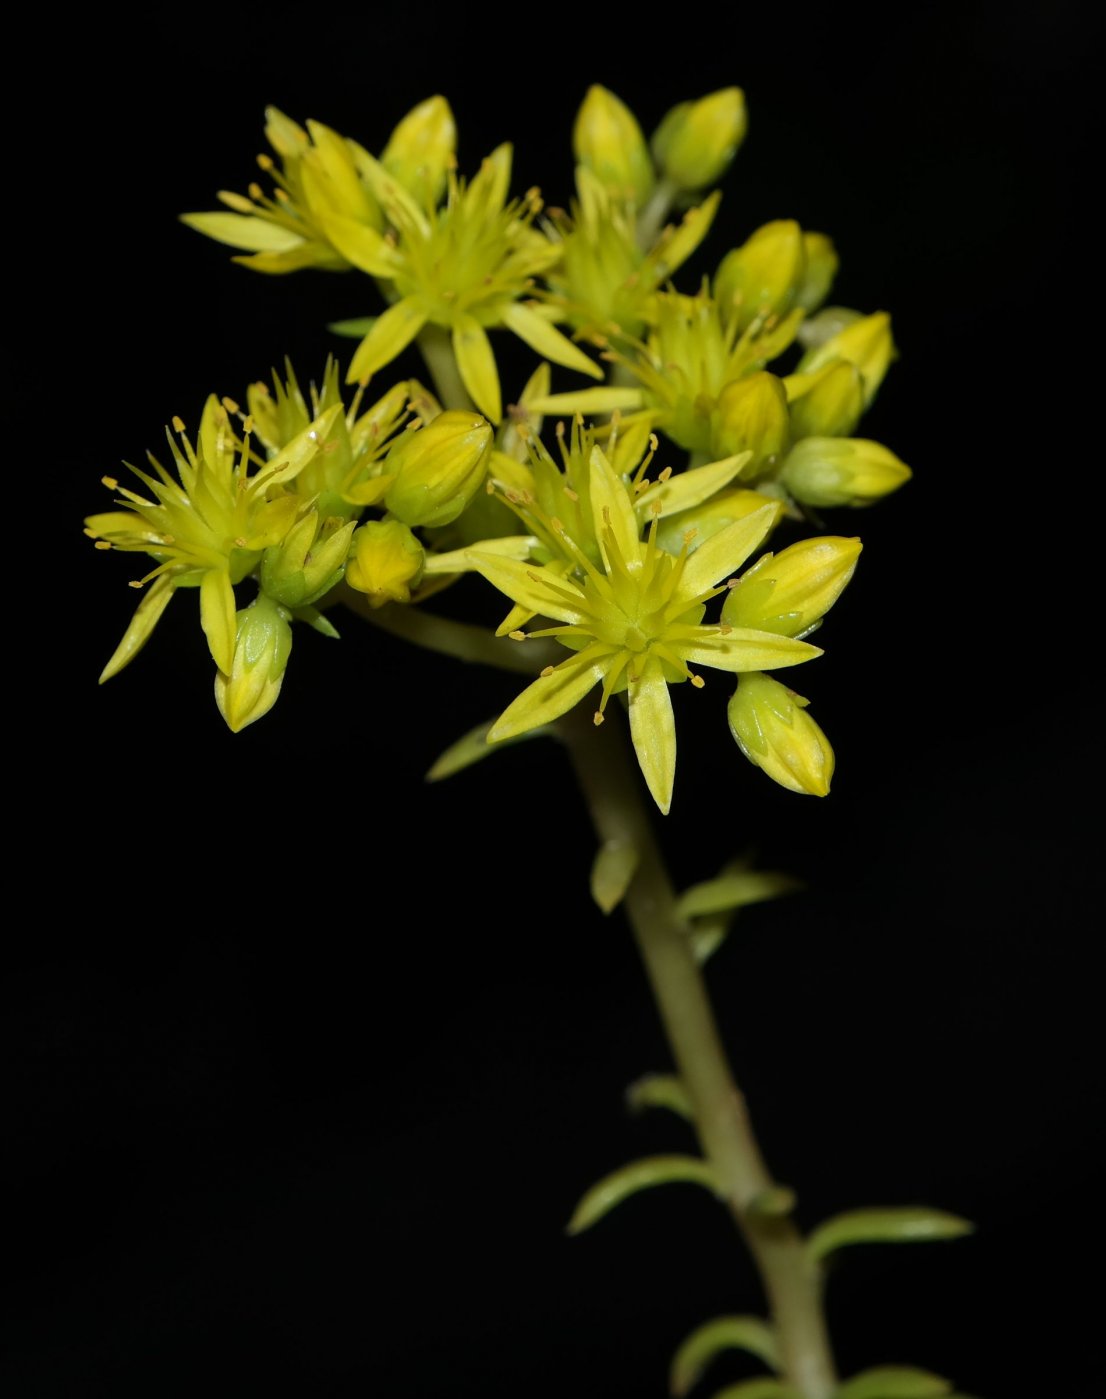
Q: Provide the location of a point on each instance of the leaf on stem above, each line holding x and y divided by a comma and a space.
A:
893, 1382
356, 329
611, 873
660, 1091
903, 1224
471, 748
638, 1175
773, 1203
747, 1333
759, 1389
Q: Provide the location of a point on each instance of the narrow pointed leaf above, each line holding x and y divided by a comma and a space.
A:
660, 1091
638, 1175
317, 621
611, 873
356, 328
893, 1382
734, 891
747, 1333
902, 1224
472, 748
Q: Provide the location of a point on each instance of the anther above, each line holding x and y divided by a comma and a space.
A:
101, 544
666, 474
546, 672
178, 423
230, 405
111, 483
517, 635
597, 718
697, 681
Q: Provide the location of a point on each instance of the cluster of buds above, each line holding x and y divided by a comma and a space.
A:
307, 499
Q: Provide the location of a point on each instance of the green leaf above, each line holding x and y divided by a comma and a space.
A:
471, 748
317, 620
638, 1175
734, 890
893, 1382
611, 873
904, 1224
747, 1333
707, 937
660, 1091
355, 328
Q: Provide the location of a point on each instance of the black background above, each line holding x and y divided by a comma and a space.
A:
310, 1061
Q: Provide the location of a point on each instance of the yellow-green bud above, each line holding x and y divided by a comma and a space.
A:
608, 141
308, 561
773, 730
866, 342
751, 416
821, 267
788, 592
386, 562
826, 403
263, 643
696, 141
438, 468
762, 275
421, 150
823, 471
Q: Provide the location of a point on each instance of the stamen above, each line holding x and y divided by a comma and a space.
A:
230, 405
111, 483
598, 717
666, 474
265, 161
697, 681
517, 635
100, 543
178, 424
546, 672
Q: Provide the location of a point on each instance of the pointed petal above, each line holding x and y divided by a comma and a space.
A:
476, 362
145, 618
392, 333
511, 546
588, 401
360, 244
723, 553
217, 616
672, 252
739, 649
653, 730
553, 694
244, 231
612, 509
547, 340
536, 588
688, 488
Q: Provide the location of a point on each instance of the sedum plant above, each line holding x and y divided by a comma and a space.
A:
679, 509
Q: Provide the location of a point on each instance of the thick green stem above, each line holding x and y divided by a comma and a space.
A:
613, 789
437, 351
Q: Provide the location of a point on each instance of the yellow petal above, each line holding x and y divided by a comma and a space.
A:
217, 616
726, 551
244, 231
539, 589
689, 488
547, 340
613, 510
589, 402
476, 363
740, 649
145, 618
553, 694
653, 730
389, 337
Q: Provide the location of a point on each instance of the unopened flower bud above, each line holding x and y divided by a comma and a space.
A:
438, 468
826, 403
421, 150
824, 471
308, 561
821, 261
865, 342
386, 562
608, 141
788, 592
263, 643
751, 416
762, 276
773, 730
696, 141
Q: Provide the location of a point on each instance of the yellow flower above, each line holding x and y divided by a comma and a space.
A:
635, 622
206, 529
606, 282
322, 200
465, 267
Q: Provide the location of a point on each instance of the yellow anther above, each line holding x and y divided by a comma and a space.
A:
135, 583
724, 629
666, 474
597, 717
240, 541
517, 635
265, 161
255, 191
178, 423
111, 483
230, 405
247, 423
697, 681
572, 495
546, 672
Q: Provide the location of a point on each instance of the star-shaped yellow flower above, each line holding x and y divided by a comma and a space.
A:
635, 621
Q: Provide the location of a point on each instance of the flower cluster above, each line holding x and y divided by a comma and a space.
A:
645, 575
